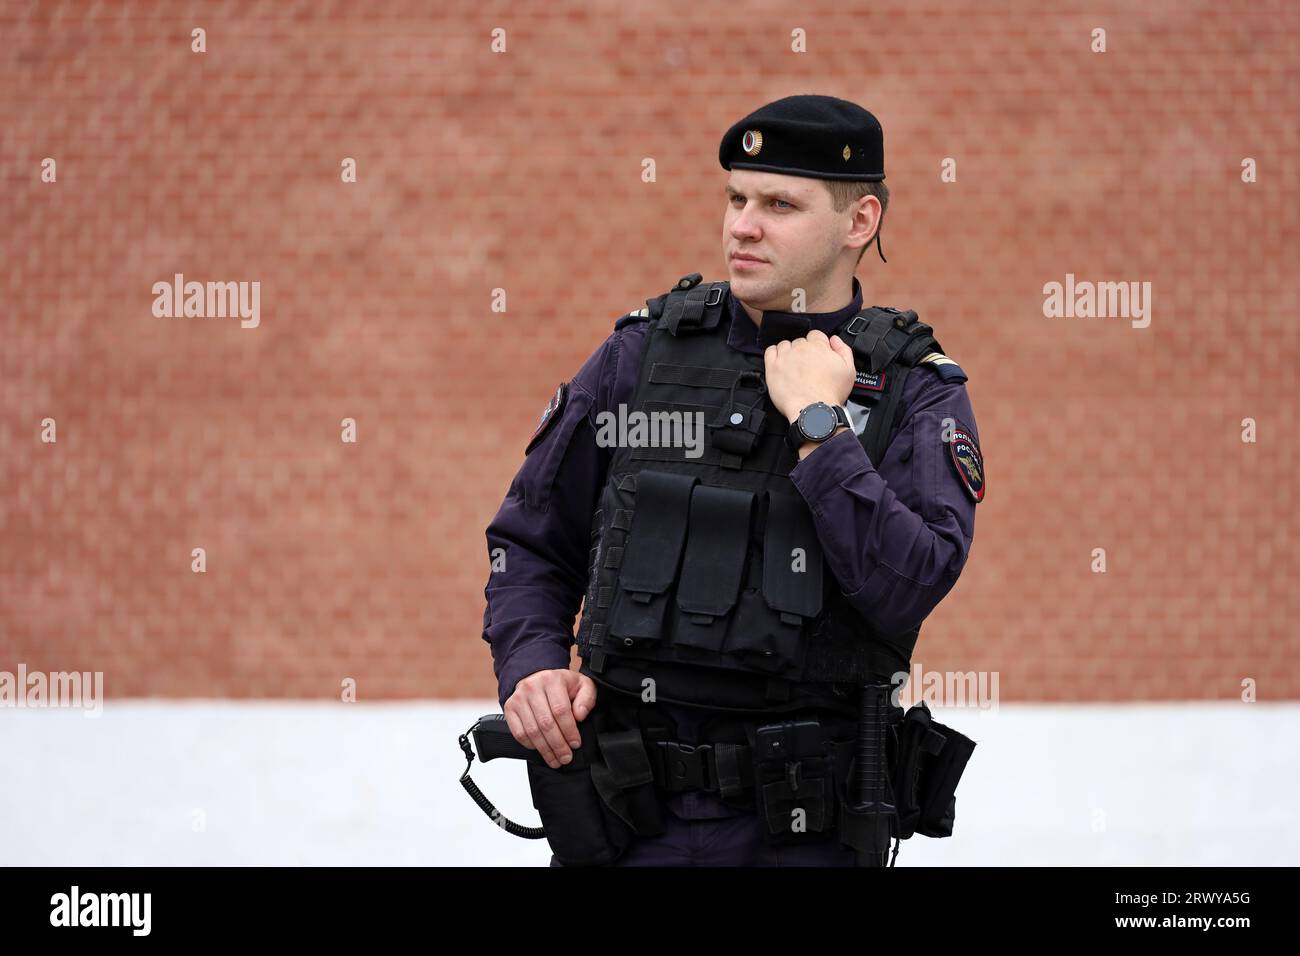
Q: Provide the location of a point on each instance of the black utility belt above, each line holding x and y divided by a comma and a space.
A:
793, 773
728, 768
796, 774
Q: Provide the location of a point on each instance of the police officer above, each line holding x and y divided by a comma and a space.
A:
736, 600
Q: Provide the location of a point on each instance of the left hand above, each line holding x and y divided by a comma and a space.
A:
811, 369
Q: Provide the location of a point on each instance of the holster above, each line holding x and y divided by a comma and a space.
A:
593, 807
930, 761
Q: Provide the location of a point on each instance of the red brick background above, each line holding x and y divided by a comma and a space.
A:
522, 171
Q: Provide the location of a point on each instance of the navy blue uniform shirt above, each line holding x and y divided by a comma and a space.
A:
895, 537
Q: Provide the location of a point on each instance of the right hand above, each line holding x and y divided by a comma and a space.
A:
544, 711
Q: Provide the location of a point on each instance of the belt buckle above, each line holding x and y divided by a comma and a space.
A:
686, 767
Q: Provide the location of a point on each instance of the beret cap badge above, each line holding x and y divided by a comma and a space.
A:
752, 142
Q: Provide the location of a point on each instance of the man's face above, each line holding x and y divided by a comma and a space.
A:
786, 221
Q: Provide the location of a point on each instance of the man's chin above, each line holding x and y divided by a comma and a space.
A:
749, 284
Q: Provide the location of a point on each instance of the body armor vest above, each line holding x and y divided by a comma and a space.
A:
706, 573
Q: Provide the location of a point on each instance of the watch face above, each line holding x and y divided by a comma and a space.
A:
818, 421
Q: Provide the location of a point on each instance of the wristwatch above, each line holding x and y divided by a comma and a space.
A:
817, 422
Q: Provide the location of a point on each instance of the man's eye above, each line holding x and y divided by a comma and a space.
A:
781, 201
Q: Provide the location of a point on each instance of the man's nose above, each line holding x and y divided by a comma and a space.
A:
743, 225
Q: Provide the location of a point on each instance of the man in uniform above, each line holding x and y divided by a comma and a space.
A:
763, 582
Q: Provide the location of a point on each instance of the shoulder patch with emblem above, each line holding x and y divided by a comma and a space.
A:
550, 415
965, 456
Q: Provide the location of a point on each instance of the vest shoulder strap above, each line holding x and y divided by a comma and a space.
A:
686, 312
690, 306
893, 342
882, 336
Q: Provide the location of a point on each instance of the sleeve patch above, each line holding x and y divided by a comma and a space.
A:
966, 459
550, 415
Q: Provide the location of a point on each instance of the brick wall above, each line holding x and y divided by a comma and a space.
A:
522, 171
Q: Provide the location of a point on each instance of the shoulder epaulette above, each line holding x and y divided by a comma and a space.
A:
947, 369
637, 315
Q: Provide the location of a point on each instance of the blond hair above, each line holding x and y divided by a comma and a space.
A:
843, 194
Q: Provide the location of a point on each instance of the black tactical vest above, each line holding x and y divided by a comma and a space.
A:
706, 573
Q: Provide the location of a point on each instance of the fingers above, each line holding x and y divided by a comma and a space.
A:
548, 727
773, 354
585, 699
814, 337
536, 712
534, 738
843, 350
557, 693
516, 725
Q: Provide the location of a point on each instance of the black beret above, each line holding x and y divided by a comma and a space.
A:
821, 137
